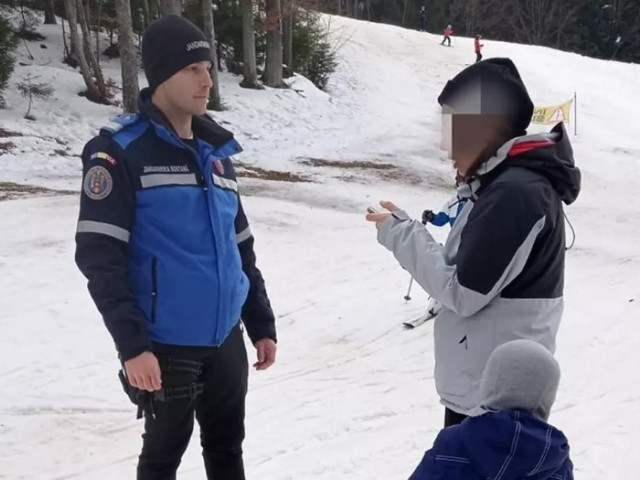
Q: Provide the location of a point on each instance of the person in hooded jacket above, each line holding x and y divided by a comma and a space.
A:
508, 436
500, 274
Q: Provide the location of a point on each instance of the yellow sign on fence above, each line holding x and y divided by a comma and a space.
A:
552, 114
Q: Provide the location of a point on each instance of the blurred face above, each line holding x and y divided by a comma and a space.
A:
469, 138
446, 126
188, 90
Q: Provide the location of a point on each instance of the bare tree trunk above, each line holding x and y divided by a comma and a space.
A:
273, 65
92, 91
170, 7
404, 12
157, 11
250, 72
215, 102
91, 58
64, 40
26, 115
339, 7
86, 39
128, 59
289, 15
146, 12
50, 13
98, 18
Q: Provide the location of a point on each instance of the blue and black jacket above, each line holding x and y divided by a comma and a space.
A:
162, 236
508, 445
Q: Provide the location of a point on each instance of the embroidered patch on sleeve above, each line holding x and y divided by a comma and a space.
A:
104, 156
217, 163
97, 183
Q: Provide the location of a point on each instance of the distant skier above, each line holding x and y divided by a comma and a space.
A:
478, 47
447, 35
423, 19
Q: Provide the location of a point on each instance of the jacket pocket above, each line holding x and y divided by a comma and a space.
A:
154, 288
452, 355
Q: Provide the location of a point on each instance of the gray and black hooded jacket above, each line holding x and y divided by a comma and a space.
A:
500, 275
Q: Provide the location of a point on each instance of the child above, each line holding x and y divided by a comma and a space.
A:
507, 436
450, 211
478, 47
447, 35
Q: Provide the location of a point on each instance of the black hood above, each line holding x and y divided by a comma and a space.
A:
548, 154
553, 161
204, 127
490, 87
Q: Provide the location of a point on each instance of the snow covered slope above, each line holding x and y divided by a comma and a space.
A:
352, 396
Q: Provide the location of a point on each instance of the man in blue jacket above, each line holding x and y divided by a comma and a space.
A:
507, 437
168, 253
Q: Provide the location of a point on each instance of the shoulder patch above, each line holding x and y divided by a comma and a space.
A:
116, 124
97, 183
217, 163
104, 156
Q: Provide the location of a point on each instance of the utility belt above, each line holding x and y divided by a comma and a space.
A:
145, 401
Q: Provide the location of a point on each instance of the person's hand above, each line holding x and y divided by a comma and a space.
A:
380, 217
143, 372
266, 352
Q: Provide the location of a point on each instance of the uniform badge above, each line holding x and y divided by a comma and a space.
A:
218, 166
104, 156
97, 183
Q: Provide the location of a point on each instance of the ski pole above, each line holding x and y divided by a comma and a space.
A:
427, 216
407, 297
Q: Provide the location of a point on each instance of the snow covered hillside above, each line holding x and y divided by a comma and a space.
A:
352, 395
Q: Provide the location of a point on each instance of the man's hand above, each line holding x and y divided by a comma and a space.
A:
266, 351
143, 372
380, 217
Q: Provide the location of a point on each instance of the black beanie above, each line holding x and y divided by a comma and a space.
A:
169, 45
492, 86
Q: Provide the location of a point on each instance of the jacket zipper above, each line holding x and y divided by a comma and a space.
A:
201, 175
154, 288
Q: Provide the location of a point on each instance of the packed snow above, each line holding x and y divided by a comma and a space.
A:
352, 394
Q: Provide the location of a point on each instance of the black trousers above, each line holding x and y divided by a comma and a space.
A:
446, 39
452, 418
478, 57
219, 409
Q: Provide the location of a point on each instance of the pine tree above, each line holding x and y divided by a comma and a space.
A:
8, 43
